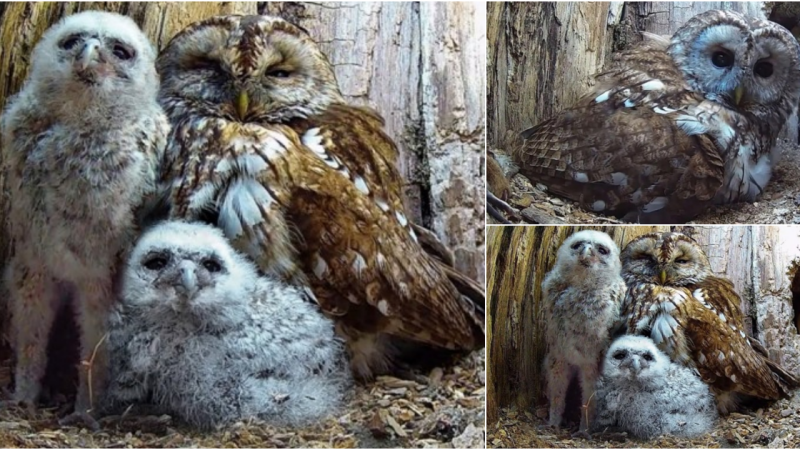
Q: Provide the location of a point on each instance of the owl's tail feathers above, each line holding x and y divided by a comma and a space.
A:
432, 246
786, 381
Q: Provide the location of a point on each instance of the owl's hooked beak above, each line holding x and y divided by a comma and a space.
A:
188, 279
242, 105
662, 276
89, 55
738, 93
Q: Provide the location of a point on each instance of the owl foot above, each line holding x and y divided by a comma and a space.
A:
582, 434
29, 408
80, 418
494, 206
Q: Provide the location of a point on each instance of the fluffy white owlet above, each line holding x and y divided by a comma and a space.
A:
265, 147
82, 140
669, 129
199, 333
695, 317
582, 296
641, 391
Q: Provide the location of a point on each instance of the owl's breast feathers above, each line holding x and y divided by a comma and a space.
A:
640, 145
701, 326
323, 191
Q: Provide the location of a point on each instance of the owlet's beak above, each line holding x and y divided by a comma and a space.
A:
89, 55
737, 95
242, 105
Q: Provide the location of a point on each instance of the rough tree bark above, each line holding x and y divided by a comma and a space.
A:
420, 65
542, 55
762, 262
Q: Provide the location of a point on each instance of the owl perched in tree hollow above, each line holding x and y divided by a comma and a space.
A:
199, 333
694, 317
668, 130
581, 298
646, 394
82, 141
264, 146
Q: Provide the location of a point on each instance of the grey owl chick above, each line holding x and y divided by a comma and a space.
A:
646, 394
582, 297
200, 334
82, 141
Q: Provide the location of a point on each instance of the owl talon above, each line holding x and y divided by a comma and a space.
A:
80, 418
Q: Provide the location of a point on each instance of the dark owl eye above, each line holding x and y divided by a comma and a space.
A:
602, 250
122, 52
763, 69
211, 265
279, 73
682, 261
70, 42
647, 357
620, 355
576, 245
156, 262
722, 58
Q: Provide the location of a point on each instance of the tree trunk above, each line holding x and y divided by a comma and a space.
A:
419, 65
762, 262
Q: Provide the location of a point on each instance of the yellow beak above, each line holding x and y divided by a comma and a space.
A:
662, 276
242, 105
737, 95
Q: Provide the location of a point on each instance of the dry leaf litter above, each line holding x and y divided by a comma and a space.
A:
441, 409
773, 426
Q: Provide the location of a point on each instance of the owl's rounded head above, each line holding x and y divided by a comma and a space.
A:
775, 69
94, 59
187, 268
589, 251
669, 259
246, 68
714, 51
635, 358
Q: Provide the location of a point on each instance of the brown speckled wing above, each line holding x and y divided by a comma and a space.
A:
619, 150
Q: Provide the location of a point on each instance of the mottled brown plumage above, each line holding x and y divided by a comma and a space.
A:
265, 147
694, 317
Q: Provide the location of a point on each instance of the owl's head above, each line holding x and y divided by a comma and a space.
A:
246, 68
669, 259
635, 358
94, 57
588, 253
714, 50
190, 269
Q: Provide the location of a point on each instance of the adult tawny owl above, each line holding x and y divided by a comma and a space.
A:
198, 333
82, 142
694, 317
264, 146
668, 130
581, 298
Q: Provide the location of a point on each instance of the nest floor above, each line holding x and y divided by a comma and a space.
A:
440, 409
773, 426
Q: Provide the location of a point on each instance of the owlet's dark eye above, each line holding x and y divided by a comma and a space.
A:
122, 52
576, 245
647, 357
211, 265
156, 262
620, 355
722, 58
70, 42
763, 69
602, 250
278, 73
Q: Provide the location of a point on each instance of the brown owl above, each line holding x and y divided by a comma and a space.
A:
672, 127
265, 147
694, 317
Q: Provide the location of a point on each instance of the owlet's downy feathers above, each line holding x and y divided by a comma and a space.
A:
204, 337
82, 141
264, 146
670, 128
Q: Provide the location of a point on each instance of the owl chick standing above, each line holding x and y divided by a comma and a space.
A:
646, 394
82, 141
265, 147
201, 334
581, 297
